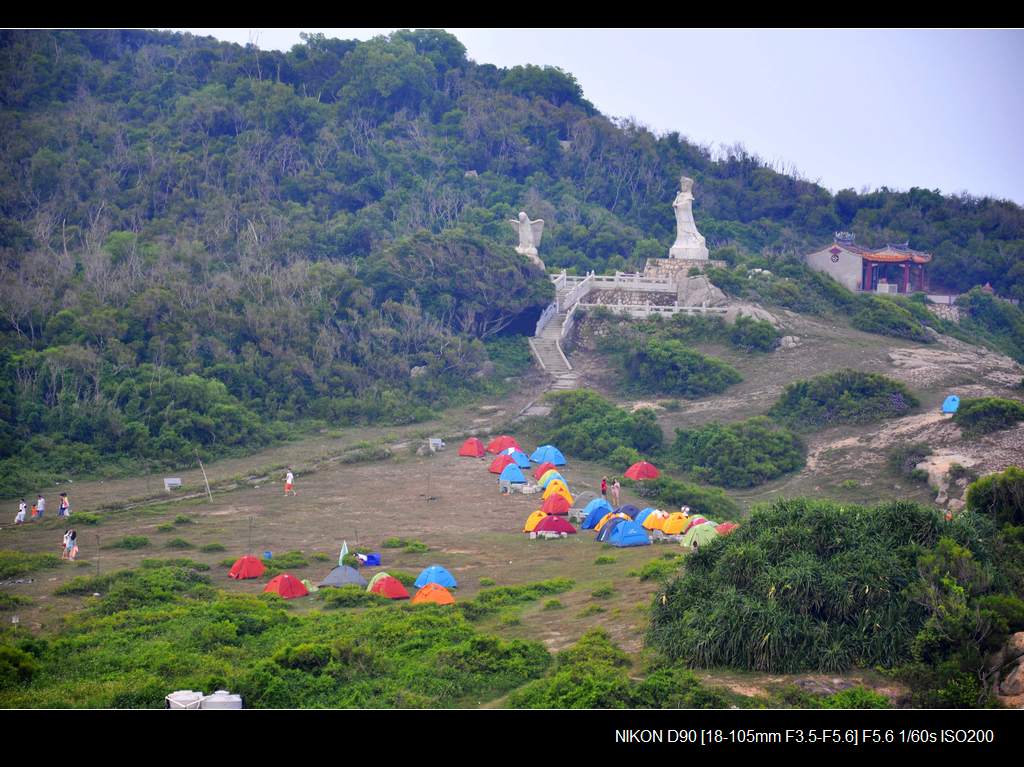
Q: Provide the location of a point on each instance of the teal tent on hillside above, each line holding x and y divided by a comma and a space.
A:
548, 453
521, 459
608, 529
436, 574
512, 473
644, 515
628, 533
593, 513
951, 404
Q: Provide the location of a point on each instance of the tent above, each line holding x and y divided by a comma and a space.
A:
533, 520
552, 475
433, 593
543, 469
498, 444
629, 509
726, 527
594, 511
375, 579
556, 504
247, 567
699, 534
521, 459
951, 404
344, 576
656, 520
639, 518
675, 524
556, 486
512, 473
498, 464
554, 525
389, 587
628, 533
472, 448
285, 586
610, 525
436, 574
608, 517
642, 470
548, 453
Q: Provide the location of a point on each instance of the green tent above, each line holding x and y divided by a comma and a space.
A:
374, 579
702, 534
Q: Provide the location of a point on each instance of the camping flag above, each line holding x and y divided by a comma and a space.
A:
344, 551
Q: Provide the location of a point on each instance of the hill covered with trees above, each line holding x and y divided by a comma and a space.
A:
200, 241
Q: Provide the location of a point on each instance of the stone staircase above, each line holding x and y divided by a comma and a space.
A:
548, 352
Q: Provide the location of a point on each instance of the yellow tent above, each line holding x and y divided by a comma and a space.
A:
655, 521
610, 516
546, 474
675, 524
532, 520
557, 487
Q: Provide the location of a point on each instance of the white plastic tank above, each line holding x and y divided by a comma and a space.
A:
222, 699
190, 699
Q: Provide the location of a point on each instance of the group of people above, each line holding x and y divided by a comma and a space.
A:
39, 509
615, 488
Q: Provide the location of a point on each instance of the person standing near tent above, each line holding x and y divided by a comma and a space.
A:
65, 506
615, 493
604, 487
40, 506
289, 483
22, 508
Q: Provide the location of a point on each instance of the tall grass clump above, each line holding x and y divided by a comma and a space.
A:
844, 396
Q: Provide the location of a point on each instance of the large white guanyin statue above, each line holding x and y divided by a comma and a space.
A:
689, 242
529, 233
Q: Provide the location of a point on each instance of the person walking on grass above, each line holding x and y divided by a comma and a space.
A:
615, 494
22, 508
289, 483
73, 545
65, 506
65, 547
40, 506
604, 487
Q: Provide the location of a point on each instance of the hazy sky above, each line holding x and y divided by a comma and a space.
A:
940, 109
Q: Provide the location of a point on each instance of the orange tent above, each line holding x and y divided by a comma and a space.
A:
247, 567
726, 527
390, 587
608, 517
503, 442
533, 520
473, 448
655, 521
433, 593
543, 469
556, 504
675, 524
556, 486
498, 464
286, 586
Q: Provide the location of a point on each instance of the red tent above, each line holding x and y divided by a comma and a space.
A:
539, 472
725, 528
286, 586
247, 567
555, 504
391, 588
473, 448
642, 470
554, 525
498, 464
503, 442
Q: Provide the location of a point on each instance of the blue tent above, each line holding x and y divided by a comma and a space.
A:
520, 458
609, 526
593, 512
628, 534
548, 453
629, 509
436, 574
511, 473
643, 515
951, 404
549, 477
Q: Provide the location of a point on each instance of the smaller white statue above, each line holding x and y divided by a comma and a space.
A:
529, 233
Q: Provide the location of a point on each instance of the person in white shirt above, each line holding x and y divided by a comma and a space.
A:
40, 507
289, 486
22, 508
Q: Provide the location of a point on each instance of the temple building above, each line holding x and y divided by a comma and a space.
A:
892, 269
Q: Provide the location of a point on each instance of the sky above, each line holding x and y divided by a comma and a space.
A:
940, 109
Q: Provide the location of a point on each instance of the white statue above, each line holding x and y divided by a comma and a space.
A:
689, 242
529, 236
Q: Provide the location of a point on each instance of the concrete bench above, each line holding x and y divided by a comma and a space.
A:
171, 482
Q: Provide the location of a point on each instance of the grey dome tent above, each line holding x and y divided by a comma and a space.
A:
344, 576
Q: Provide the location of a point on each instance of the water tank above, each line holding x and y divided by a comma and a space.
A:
184, 699
222, 699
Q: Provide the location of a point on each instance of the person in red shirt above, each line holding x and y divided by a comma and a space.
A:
604, 486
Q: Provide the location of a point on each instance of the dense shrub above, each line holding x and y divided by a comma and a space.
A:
1000, 496
668, 367
998, 322
977, 416
845, 396
739, 454
279, 563
15, 563
882, 316
350, 596
179, 543
491, 600
670, 493
754, 335
903, 459
585, 425
130, 542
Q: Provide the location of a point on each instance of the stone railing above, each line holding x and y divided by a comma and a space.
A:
581, 289
545, 318
649, 310
560, 280
568, 322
